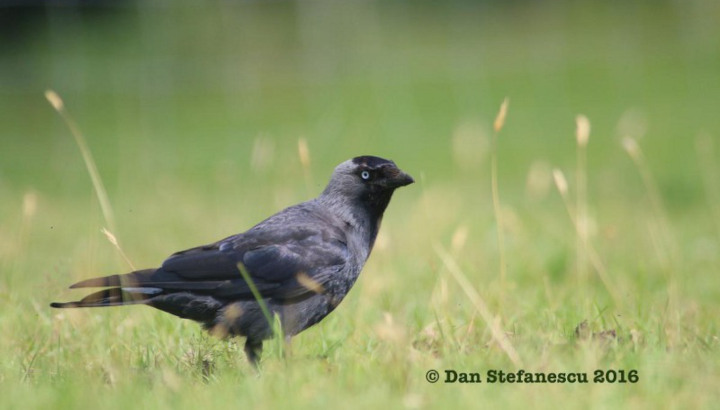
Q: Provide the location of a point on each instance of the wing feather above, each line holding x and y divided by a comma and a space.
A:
274, 253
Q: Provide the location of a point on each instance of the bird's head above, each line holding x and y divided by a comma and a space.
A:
368, 180
368, 175
377, 173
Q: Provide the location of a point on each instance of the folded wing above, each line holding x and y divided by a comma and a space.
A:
287, 264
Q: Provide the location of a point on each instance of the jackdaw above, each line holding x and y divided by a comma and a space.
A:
298, 264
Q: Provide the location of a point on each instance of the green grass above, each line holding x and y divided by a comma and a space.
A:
193, 117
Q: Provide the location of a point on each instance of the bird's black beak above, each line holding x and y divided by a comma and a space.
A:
405, 179
398, 179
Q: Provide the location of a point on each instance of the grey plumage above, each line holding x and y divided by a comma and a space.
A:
302, 261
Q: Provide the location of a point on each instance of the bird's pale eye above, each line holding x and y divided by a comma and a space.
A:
365, 175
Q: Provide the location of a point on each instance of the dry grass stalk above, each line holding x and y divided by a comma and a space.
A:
593, 256
57, 103
498, 334
670, 247
500, 118
304, 154
113, 240
582, 130
498, 125
309, 283
582, 134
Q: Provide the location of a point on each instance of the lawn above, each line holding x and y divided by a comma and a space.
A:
194, 116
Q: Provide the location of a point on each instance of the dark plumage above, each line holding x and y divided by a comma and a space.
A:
302, 261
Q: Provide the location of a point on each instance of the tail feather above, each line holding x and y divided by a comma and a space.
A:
112, 297
129, 279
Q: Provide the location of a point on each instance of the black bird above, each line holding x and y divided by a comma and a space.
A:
300, 262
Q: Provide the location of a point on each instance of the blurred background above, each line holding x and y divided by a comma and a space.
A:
226, 88
194, 111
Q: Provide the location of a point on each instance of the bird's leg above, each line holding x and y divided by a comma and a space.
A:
253, 350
